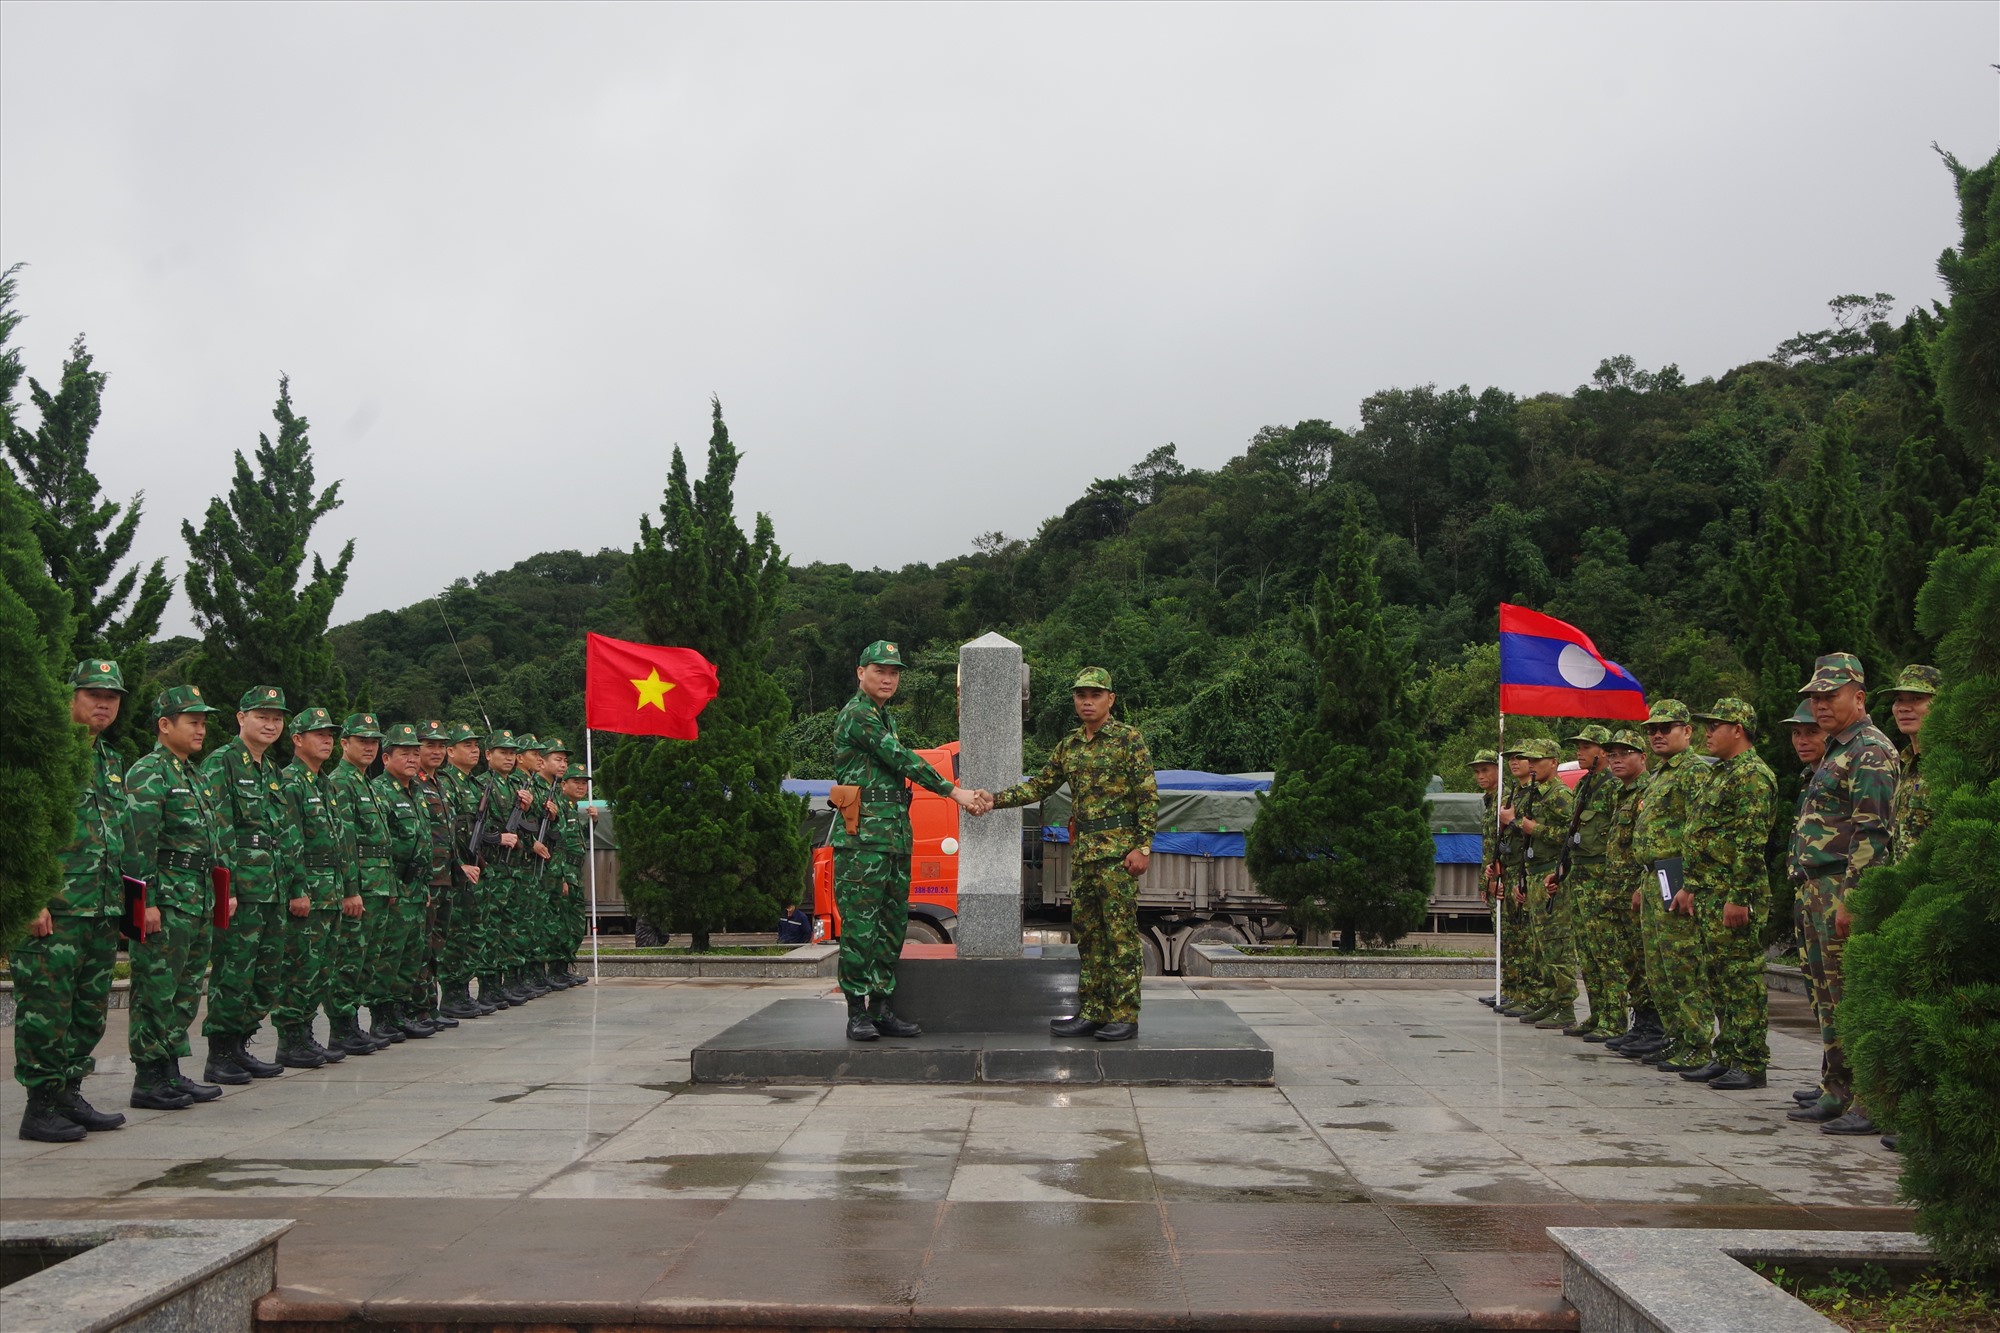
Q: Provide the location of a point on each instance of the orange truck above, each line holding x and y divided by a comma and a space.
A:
933, 868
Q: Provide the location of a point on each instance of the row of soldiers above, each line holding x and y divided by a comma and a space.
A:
1652, 882
285, 891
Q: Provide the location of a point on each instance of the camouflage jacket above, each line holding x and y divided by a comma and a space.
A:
461, 793
253, 817
565, 842
175, 829
317, 853
1110, 779
1728, 828
1843, 825
1618, 853
97, 857
500, 791
446, 832
408, 823
1911, 812
1489, 829
869, 754
367, 827
1548, 804
1592, 810
1660, 829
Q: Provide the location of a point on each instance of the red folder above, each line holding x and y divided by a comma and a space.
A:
132, 925
219, 877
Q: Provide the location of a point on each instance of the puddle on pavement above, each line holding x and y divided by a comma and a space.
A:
1372, 1126
228, 1174
686, 1171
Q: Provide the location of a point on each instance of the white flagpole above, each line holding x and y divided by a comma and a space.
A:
590, 794
1500, 899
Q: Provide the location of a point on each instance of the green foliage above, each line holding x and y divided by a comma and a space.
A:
707, 837
43, 755
1921, 1013
260, 624
1342, 839
1968, 365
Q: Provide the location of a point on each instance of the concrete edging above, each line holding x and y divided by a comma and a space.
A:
804, 963
152, 1275
1697, 1280
1226, 960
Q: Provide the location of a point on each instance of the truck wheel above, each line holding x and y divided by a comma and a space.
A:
1156, 960
923, 931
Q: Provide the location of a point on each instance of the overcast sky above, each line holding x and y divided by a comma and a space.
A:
943, 265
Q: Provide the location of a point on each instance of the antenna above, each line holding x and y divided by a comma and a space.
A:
477, 702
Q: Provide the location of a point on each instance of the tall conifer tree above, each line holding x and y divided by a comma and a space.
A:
259, 624
1342, 838
707, 836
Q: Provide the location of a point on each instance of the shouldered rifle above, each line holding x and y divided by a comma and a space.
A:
542, 836
475, 844
513, 826
1583, 787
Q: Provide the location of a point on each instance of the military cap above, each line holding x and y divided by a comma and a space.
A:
312, 719
97, 673
1832, 671
1092, 678
1593, 733
261, 696
460, 732
402, 735
502, 740
553, 745
1666, 712
1731, 710
1484, 757
361, 727
881, 653
1535, 748
435, 731
1803, 717
1917, 679
576, 773
180, 699
527, 741
1626, 738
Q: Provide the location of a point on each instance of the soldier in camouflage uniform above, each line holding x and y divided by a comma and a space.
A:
1910, 701
62, 966
1582, 876
396, 967
524, 942
243, 986
1809, 744
446, 837
1728, 888
1114, 805
317, 856
503, 849
549, 880
176, 829
465, 944
1612, 937
871, 866
1541, 809
1843, 828
357, 944
1517, 945
1485, 768
576, 835
1672, 942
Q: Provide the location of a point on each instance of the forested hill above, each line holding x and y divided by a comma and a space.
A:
1712, 536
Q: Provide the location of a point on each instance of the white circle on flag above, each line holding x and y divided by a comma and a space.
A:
949, 846
1579, 668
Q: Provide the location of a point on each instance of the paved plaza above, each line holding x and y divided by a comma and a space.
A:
555, 1158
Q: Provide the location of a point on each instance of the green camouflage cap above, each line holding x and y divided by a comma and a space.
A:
1833, 671
180, 699
881, 653
502, 740
1626, 738
1092, 678
97, 673
460, 732
402, 735
312, 719
1917, 679
527, 741
1803, 717
1535, 748
1667, 712
1483, 757
435, 731
1593, 733
361, 727
261, 696
575, 773
553, 745
1731, 710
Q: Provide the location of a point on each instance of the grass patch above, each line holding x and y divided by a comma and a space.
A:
1874, 1299
1318, 951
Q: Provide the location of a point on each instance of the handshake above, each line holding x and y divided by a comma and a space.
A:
973, 800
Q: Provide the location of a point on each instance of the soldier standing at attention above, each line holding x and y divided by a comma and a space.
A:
1485, 768
1728, 892
547, 878
1583, 876
465, 947
244, 984
1843, 829
576, 844
1511, 852
62, 966
175, 829
1671, 940
1616, 927
1113, 803
357, 944
394, 970
1910, 701
447, 836
523, 907
1543, 812
317, 857
501, 846
871, 853
1809, 744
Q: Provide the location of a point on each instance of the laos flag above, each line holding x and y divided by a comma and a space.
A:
1550, 669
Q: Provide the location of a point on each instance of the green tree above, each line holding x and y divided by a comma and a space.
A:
260, 625
707, 835
1342, 839
43, 755
1968, 363
1920, 1017
10, 356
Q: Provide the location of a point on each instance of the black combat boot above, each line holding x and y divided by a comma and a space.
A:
458, 1003
348, 1037
533, 984
46, 1122
412, 1024
252, 1065
1117, 1031
554, 977
201, 1092
333, 1055
1079, 1026
295, 1052
512, 986
221, 1066
859, 1026
885, 1020
493, 993
70, 1098
385, 1026
153, 1088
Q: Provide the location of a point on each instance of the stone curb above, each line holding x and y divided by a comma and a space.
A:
153, 1275
1781, 976
1226, 960
1697, 1280
801, 964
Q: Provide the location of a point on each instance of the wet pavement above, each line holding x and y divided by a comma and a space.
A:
1407, 1161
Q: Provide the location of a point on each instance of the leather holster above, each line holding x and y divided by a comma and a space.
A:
846, 798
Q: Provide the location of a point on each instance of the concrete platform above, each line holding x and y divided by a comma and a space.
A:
802, 1041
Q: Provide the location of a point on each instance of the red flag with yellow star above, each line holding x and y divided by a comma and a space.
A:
642, 689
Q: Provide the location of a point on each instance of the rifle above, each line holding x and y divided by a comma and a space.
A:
542, 836
1583, 790
475, 846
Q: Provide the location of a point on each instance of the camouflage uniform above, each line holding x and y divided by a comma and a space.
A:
398, 969
62, 981
465, 943
357, 946
1587, 883
1911, 811
1674, 971
243, 987
576, 838
1729, 826
318, 855
1517, 944
502, 865
1114, 804
1547, 975
871, 866
1842, 829
1611, 944
443, 877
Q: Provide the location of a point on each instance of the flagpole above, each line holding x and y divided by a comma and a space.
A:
590, 794
1499, 899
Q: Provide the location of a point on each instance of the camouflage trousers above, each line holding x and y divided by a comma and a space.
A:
433, 908
1517, 947
168, 971
505, 909
1824, 953
370, 979
346, 955
460, 949
871, 891
62, 987
1734, 963
1607, 937
1104, 906
249, 957
1675, 973
302, 980
1551, 919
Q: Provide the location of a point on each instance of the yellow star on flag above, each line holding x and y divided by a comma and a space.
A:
653, 690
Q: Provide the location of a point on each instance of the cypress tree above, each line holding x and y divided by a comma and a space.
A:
707, 836
1920, 1016
1968, 350
1342, 838
259, 624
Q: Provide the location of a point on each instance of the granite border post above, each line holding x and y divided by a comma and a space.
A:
989, 756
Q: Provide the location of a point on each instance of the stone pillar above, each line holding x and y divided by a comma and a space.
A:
989, 756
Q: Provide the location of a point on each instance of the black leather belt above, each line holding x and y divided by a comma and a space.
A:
898, 795
254, 842
320, 861
184, 860
1108, 822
